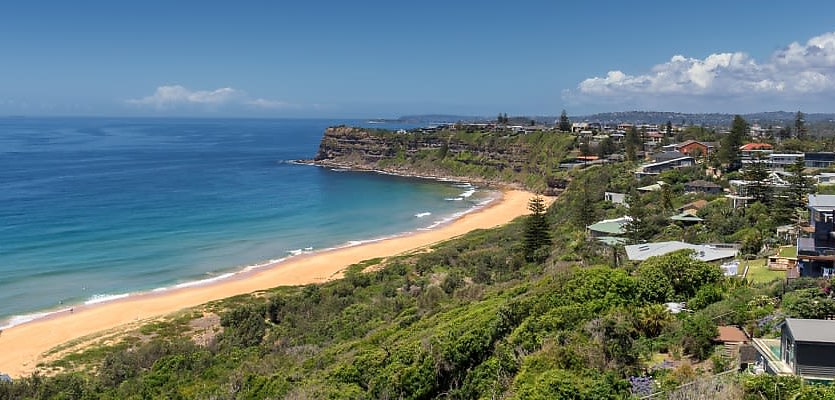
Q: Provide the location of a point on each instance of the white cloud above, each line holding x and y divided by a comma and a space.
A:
797, 71
268, 104
168, 96
175, 96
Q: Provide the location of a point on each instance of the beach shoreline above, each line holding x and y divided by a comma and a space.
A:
22, 346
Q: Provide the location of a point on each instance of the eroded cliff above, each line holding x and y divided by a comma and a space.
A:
528, 160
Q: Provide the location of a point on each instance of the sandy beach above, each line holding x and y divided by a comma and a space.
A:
22, 346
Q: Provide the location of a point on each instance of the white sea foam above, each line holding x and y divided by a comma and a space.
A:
468, 193
22, 319
204, 281
423, 214
101, 298
454, 199
458, 215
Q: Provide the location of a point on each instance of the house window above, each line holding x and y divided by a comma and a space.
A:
828, 271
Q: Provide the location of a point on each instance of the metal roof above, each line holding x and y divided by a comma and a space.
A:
822, 202
812, 330
613, 227
612, 240
686, 217
703, 252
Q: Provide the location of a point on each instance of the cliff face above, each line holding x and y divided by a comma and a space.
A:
530, 161
359, 148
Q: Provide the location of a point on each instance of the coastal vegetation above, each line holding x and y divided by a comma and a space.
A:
505, 157
530, 310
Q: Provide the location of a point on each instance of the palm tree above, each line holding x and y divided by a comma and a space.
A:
653, 318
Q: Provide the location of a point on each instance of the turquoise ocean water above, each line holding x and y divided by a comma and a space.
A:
93, 209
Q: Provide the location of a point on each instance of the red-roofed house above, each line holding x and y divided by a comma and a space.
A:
750, 150
695, 147
756, 146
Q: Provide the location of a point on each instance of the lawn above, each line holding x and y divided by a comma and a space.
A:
787, 251
758, 272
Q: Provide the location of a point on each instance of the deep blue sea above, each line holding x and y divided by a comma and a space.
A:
93, 209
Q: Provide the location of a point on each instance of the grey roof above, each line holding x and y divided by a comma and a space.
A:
617, 198
665, 162
652, 188
668, 155
703, 252
812, 330
5, 378
822, 202
702, 183
611, 226
686, 217
611, 240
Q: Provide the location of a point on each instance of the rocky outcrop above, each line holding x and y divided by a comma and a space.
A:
478, 157
361, 148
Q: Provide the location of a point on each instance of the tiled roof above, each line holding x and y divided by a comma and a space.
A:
731, 334
755, 146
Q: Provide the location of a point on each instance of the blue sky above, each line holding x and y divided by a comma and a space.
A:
385, 59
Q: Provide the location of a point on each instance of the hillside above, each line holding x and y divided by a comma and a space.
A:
477, 317
526, 160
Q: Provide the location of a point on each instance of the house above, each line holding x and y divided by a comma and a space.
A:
819, 160
686, 218
739, 188
624, 127
701, 186
754, 151
659, 167
652, 188
749, 147
781, 161
609, 227
693, 207
816, 253
696, 149
755, 130
731, 338
654, 138
615, 198
806, 348
577, 127
825, 178
666, 156
5, 378
703, 252
693, 148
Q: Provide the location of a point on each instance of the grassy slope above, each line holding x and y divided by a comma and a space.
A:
541, 153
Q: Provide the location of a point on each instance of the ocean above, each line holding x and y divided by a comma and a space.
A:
94, 209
